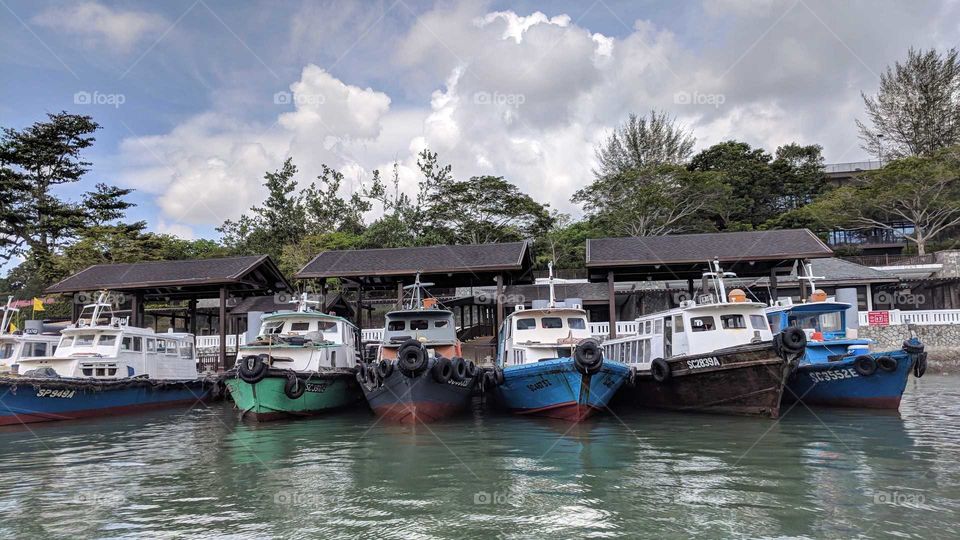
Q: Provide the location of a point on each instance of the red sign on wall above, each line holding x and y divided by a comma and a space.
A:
878, 318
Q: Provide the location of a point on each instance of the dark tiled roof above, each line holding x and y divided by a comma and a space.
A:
588, 292
699, 248
250, 272
408, 261
838, 270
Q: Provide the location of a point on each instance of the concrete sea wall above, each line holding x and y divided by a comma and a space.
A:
942, 342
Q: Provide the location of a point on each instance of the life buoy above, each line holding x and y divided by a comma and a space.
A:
252, 369
412, 358
588, 356
887, 363
793, 340
442, 370
459, 369
660, 370
384, 369
865, 365
294, 387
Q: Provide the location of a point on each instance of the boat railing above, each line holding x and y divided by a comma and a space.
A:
208, 342
624, 328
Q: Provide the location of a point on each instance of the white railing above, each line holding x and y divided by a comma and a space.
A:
204, 342
919, 317
602, 329
371, 334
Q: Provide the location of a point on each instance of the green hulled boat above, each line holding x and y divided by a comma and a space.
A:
302, 363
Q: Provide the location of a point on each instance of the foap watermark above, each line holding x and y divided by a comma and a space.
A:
89, 297
506, 497
899, 498
300, 99
304, 499
498, 98
483, 298
697, 98
899, 298
312, 299
99, 498
98, 98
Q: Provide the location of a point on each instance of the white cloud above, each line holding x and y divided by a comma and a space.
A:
102, 25
529, 97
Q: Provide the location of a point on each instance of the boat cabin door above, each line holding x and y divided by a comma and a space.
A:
667, 337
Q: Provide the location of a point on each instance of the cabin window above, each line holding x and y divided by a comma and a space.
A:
151, 345
272, 328
551, 322
126, 344
101, 372
577, 323
6, 351
37, 349
440, 324
87, 372
647, 327
85, 339
330, 326
138, 344
419, 324
733, 322
111, 371
395, 326
758, 322
171, 347
678, 324
702, 324
299, 326
107, 340
526, 324
776, 320
186, 350
333, 358
161, 346
658, 327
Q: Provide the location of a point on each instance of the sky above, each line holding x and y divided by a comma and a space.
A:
198, 98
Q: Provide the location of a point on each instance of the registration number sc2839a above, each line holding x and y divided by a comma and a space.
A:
700, 363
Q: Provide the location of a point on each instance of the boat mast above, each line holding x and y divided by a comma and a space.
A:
808, 277
416, 299
8, 312
303, 302
717, 274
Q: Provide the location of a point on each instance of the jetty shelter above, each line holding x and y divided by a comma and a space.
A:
169, 282
685, 257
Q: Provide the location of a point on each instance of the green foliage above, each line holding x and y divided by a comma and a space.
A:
917, 110
642, 142
295, 256
565, 242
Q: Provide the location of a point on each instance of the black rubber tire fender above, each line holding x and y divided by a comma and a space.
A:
588, 356
442, 369
865, 365
412, 358
920, 365
887, 363
459, 366
472, 369
793, 339
498, 376
910, 348
293, 388
252, 369
384, 369
660, 370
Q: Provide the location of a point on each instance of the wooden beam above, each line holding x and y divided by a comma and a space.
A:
222, 359
773, 284
192, 311
499, 319
612, 305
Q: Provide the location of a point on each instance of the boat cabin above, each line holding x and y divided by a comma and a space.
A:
533, 335
825, 324
423, 320
100, 345
713, 321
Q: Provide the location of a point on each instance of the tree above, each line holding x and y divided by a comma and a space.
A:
917, 109
564, 243
920, 191
327, 212
799, 172
640, 142
652, 201
106, 204
34, 161
753, 186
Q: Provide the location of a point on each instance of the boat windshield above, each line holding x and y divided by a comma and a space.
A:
6, 350
820, 322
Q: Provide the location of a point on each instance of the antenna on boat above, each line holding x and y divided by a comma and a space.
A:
416, 299
8, 311
808, 277
303, 302
551, 281
717, 274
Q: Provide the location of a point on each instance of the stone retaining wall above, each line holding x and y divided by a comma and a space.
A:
941, 341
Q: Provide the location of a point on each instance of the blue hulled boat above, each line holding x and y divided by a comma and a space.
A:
548, 364
100, 367
840, 371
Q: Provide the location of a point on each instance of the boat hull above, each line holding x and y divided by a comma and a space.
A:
555, 389
743, 380
409, 400
30, 400
838, 384
266, 401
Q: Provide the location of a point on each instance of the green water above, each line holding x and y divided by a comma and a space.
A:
202, 473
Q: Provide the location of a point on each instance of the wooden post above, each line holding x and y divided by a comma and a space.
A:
192, 311
612, 303
359, 306
773, 284
399, 295
136, 304
222, 360
499, 319
75, 310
